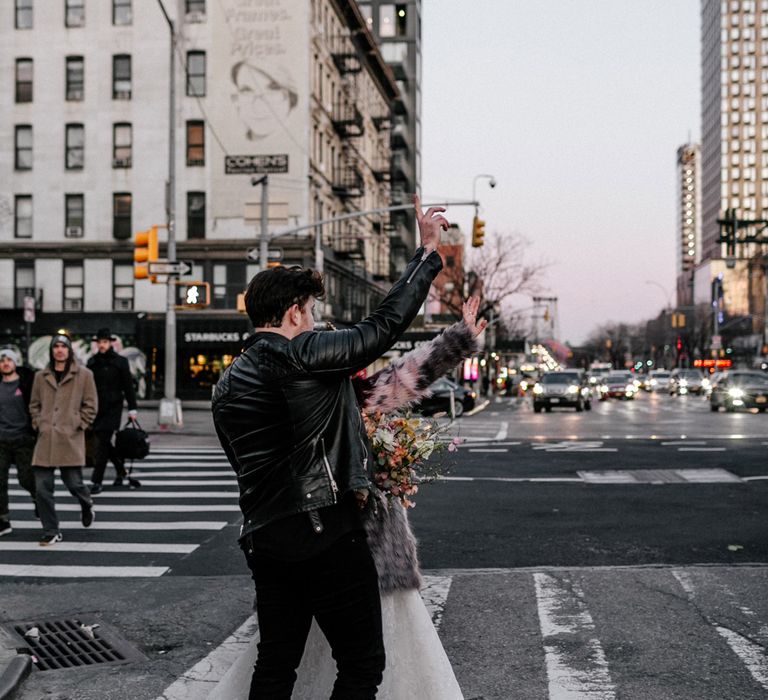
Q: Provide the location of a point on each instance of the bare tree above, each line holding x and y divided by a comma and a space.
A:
498, 272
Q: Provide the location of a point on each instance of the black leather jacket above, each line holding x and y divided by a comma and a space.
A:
286, 413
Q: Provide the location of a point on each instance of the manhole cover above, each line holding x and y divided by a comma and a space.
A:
71, 643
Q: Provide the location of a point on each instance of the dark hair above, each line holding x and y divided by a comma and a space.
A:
272, 292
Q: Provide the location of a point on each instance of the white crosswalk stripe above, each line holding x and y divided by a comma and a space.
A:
164, 519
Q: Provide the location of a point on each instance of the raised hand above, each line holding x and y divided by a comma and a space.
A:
430, 225
469, 316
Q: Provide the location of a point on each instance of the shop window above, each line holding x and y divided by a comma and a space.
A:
122, 12
195, 214
23, 18
122, 146
122, 287
121, 77
195, 143
74, 215
24, 80
22, 216
196, 73
121, 215
75, 78
75, 147
23, 147
74, 13
73, 287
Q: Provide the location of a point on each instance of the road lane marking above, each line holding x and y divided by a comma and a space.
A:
755, 478
484, 449
684, 442
502, 434
701, 449
151, 480
49, 571
576, 665
151, 474
574, 446
146, 493
125, 525
107, 547
509, 479
145, 508
751, 654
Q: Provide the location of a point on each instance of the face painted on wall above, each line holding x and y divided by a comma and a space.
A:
262, 101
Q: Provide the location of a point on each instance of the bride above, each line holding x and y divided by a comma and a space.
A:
417, 667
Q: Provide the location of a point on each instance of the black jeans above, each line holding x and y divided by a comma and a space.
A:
17, 451
340, 589
103, 449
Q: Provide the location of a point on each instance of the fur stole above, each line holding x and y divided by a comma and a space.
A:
403, 382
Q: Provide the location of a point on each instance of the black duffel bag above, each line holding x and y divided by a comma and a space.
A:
132, 442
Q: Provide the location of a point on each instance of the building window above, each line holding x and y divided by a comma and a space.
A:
24, 281
386, 20
122, 13
75, 78
121, 77
196, 73
74, 13
24, 80
75, 147
121, 215
23, 18
196, 8
195, 214
122, 146
22, 216
23, 143
195, 143
73, 287
122, 287
74, 215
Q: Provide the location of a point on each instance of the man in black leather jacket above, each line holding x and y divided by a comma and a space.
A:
287, 417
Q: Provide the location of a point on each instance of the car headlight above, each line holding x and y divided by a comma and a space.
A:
683, 382
654, 382
603, 387
705, 383
630, 388
524, 386
573, 389
735, 393
538, 389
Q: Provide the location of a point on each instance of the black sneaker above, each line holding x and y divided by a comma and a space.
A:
133, 483
5, 527
94, 489
118, 482
48, 540
87, 516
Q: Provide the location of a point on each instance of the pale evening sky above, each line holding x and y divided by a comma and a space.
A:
577, 107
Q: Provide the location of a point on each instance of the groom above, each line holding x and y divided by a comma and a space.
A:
287, 418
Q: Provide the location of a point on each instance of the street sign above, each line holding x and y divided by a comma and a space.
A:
256, 165
717, 342
170, 267
273, 255
29, 309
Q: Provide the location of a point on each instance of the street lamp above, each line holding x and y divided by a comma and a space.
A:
663, 289
492, 183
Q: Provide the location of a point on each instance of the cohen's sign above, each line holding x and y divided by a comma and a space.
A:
223, 337
255, 165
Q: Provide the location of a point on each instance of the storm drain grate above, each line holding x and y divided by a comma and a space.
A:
70, 643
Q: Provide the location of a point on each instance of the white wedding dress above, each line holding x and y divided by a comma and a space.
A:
417, 667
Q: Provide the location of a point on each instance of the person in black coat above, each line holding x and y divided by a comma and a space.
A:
113, 384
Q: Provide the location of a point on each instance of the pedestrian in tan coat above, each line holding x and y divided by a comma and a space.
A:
63, 404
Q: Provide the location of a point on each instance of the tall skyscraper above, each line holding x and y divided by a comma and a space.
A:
688, 219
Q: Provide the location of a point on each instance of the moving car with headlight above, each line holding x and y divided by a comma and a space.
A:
687, 381
657, 380
740, 389
618, 385
440, 398
566, 388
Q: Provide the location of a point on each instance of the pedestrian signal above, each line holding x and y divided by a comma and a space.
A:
193, 295
478, 232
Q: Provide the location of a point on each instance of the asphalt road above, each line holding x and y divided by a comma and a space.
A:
620, 552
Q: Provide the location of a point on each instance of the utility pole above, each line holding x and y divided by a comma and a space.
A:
170, 406
264, 233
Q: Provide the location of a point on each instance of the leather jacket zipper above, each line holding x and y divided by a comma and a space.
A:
334, 486
421, 262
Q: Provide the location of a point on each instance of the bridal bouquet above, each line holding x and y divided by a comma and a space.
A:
404, 449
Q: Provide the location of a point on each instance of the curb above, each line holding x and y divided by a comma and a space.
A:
13, 675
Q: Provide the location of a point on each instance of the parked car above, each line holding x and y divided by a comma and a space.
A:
687, 381
740, 389
563, 388
440, 398
657, 380
618, 385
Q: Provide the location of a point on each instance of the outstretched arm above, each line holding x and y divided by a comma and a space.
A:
407, 379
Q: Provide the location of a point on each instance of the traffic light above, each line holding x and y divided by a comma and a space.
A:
193, 295
679, 344
478, 232
146, 250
